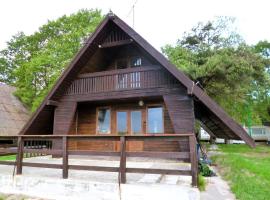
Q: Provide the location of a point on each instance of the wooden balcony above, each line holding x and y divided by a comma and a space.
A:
120, 80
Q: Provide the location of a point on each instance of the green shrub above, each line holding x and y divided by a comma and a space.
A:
205, 170
201, 183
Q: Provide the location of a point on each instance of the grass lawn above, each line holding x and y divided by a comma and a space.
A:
247, 170
9, 157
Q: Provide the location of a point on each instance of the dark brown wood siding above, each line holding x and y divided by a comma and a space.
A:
84, 122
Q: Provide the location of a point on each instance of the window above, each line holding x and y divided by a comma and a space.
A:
121, 122
136, 122
136, 62
155, 119
104, 121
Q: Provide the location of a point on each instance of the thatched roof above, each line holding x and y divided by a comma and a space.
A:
13, 115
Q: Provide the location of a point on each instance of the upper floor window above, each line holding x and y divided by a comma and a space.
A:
136, 62
128, 62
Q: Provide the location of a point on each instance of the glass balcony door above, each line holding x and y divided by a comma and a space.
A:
129, 122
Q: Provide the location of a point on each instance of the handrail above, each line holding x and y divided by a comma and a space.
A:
101, 136
65, 152
119, 71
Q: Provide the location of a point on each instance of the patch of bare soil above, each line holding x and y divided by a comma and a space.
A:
255, 155
17, 197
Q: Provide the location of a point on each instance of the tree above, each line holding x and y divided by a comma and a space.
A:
218, 59
33, 63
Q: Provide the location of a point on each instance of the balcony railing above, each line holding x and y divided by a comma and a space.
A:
122, 79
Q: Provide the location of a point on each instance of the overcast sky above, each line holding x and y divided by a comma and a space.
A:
158, 21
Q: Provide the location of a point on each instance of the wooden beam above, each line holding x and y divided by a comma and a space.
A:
42, 165
94, 168
52, 103
19, 158
123, 160
116, 43
193, 160
158, 171
182, 155
65, 157
93, 153
8, 162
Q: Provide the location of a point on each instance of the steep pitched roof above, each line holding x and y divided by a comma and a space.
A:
211, 114
13, 115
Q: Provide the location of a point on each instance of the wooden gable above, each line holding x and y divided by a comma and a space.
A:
114, 32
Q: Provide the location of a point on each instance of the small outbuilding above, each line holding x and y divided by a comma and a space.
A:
13, 114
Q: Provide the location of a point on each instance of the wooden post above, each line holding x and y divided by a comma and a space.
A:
123, 160
65, 157
212, 140
19, 155
193, 160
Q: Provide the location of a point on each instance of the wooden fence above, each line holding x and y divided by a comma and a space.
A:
44, 149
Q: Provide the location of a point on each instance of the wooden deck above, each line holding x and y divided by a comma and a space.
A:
64, 152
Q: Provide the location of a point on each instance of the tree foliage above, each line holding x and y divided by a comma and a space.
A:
33, 63
229, 70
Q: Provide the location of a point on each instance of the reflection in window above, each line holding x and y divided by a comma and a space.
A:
136, 62
136, 122
104, 118
122, 123
155, 120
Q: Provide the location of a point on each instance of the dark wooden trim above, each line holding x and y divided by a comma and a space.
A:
183, 155
116, 43
7, 162
94, 168
158, 171
42, 165
52, 103
8, 151
193, 160
122, 169
93, 153
19, 158
65, 157
119, 71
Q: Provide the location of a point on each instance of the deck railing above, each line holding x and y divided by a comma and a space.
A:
65, 152
122, 79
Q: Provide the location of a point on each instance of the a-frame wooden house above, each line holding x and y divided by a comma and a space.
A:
118, 84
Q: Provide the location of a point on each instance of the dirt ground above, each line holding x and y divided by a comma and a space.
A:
17, 197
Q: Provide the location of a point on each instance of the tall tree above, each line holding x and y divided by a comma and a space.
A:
217, 59
33, 63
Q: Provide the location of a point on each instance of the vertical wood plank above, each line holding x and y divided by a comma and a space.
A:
19, 155
123, 160
193, 160
65, 157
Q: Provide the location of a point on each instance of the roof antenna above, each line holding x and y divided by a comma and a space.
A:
111, 14
133, 13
